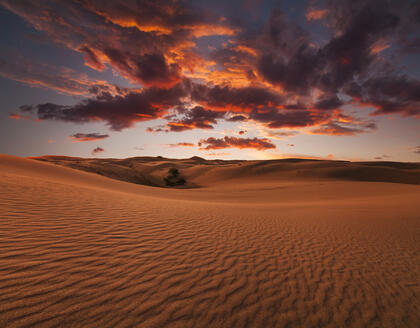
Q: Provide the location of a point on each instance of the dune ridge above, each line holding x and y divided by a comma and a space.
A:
256, 250
199, 172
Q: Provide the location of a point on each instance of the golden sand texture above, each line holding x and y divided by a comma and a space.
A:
81, 250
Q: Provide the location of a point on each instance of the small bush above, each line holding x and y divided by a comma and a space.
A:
173, 178
173, 172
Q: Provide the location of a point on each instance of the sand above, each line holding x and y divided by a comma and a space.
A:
243, 244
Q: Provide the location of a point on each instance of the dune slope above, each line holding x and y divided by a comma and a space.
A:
285, 250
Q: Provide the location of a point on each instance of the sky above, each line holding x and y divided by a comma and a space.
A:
242, 79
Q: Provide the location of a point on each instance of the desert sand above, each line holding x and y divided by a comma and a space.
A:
287, 243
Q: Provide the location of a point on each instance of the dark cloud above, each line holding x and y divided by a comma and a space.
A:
195, 118
396, 94
119, 112
228, 98
292, 61
274, 118
152, 69
410, 46
97, 150
298, 66
82, 137
298, 74
233, 142
157, 129
331, 102
237, 118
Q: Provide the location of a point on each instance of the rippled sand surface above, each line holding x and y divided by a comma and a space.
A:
81, 250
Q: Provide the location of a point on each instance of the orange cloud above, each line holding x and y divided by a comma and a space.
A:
316, 14
15, 116
246, 49
201, 30
379, 46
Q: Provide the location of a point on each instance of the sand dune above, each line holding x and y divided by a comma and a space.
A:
247, 244
199, 172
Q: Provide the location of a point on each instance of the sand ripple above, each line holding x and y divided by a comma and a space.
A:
83, 257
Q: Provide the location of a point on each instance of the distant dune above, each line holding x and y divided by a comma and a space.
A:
151, 171
285, 243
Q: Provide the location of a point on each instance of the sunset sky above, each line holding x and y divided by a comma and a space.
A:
244, 79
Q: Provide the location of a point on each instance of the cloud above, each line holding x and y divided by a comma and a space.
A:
273, 73
388, 95
236, 118
194, 118
416, 150
280, 134
91, 59
15, 116
182, 144
64, 80
233, 142
145, 41
219, 154
97, 150
329, 67
315, 14
336, 129
161, 18
150, 69
382, 157
160, 128
82, 137
119, 112
328, 102
274, 118
292, 61
234, 99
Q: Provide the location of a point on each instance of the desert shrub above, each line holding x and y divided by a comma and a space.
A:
173, 178
173, 172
